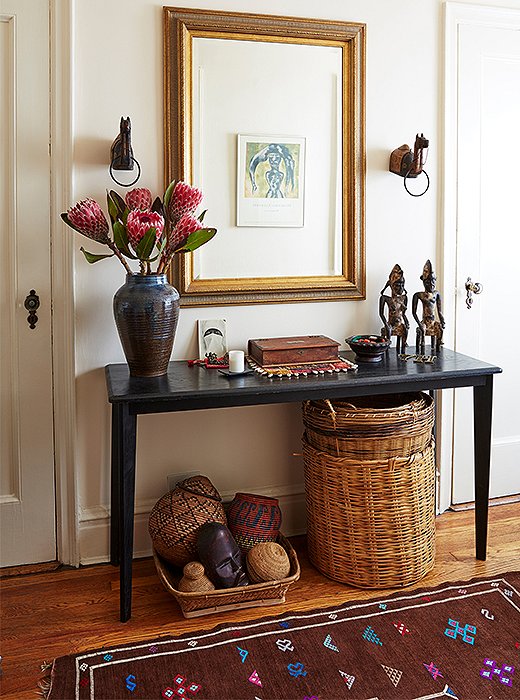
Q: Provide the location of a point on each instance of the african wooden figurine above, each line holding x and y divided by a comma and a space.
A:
397, 323
431, 302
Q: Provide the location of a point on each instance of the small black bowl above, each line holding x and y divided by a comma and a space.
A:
368, 348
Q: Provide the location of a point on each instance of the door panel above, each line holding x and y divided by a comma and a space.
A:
488, 244
27, 507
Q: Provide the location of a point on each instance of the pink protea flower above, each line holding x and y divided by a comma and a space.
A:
179, 234
139, 222
139, 198
87, 217
184, 200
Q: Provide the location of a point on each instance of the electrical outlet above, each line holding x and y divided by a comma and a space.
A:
173, 479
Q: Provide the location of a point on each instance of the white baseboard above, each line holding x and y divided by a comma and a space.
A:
94, 523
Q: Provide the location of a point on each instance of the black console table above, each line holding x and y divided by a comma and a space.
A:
187, 388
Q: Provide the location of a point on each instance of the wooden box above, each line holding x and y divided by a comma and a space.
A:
301, 349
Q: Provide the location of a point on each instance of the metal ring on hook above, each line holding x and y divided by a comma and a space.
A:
420, 193
130, 183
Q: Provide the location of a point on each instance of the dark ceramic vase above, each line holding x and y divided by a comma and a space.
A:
146, 311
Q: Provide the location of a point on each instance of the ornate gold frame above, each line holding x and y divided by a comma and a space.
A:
181, 26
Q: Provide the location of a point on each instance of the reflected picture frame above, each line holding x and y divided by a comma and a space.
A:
198, 278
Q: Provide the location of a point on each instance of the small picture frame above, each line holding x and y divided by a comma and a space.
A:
270, 180
212, 337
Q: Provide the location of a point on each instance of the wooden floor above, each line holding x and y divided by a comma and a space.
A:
51, 614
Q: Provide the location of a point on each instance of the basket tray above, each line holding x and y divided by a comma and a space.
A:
196, 604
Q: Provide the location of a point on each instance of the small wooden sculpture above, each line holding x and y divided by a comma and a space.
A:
431, 301
121, 153
397, 323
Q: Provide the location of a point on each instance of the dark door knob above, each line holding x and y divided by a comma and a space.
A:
32, 304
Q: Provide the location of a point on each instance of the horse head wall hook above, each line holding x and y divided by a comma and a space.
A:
121, 153
410, 165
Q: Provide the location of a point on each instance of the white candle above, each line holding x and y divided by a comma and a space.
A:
236, 361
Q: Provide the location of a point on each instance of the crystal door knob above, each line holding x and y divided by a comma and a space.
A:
471, 289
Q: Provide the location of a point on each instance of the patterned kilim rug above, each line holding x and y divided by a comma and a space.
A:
459, 640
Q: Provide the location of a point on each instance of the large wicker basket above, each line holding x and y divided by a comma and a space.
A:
370, 426
195, 604
370, 492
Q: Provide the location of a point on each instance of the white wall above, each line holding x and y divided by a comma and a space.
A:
118, 71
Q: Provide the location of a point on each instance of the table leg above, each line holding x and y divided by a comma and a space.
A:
482, 412
127, 436
115, 476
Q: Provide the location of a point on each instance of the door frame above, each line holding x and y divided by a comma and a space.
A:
455, 15
61, 27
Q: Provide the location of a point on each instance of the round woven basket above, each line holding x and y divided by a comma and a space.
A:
370, 427
371, 523
253, 518
267, 561
176, 517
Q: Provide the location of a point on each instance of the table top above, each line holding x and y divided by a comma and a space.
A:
188, 388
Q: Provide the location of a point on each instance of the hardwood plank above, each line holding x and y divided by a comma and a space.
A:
29, 569
51, 614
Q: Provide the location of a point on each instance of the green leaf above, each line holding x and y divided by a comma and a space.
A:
121, 233
92, 258
162, 244
196, 239
201, 217
168, 194
121, 240
146, 244
118, 201
112, 208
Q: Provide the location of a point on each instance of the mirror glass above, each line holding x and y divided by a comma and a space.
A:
265, 116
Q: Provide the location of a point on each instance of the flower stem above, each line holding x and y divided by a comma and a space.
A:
118, 253
164, 262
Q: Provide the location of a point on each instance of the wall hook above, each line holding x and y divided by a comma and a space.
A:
121, 153
410, 165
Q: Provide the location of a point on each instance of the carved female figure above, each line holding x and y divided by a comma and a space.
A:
431, 302
396, 305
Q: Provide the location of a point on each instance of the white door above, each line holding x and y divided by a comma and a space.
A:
488, 243
27, 504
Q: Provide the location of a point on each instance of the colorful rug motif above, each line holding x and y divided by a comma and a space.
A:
458, 641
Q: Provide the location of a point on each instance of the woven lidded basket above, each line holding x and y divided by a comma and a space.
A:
370, 427
370, 488
371, 523
176, 517
195, 604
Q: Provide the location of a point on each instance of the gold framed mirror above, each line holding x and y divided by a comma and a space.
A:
266, 115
